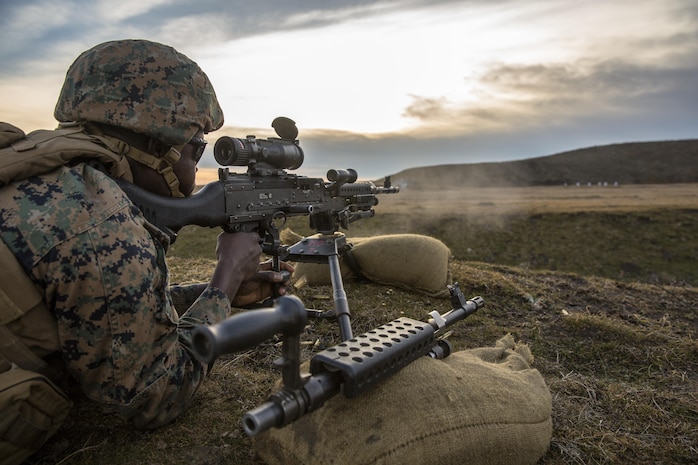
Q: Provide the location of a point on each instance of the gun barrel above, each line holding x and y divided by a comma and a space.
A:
468, 308
387, 190
357, 365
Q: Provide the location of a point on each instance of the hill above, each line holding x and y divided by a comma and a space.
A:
629, 163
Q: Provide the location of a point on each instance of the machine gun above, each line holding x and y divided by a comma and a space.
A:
266, 195
261, 200
351, 367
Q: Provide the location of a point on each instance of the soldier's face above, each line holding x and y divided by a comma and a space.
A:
185, 169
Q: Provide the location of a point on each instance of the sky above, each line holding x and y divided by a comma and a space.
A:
382, 86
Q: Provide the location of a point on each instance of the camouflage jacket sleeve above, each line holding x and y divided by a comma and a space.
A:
105, 278
184, 295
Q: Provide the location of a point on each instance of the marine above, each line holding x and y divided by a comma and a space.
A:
105, 316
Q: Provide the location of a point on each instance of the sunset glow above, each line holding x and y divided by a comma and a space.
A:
391, 85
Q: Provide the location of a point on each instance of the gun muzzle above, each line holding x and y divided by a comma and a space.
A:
287, 406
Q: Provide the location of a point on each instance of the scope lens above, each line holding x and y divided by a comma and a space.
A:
230, 151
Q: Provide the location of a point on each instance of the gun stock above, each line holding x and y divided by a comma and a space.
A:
205, 208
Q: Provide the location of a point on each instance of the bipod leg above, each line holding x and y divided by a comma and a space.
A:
341, 304
326, 248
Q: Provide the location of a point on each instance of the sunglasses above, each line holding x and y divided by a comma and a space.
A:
200, 145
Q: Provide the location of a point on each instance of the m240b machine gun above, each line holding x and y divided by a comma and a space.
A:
262, 198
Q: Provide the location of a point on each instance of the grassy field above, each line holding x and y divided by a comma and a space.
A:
635, 232
599, 282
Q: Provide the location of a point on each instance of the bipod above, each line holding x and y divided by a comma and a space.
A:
326, 248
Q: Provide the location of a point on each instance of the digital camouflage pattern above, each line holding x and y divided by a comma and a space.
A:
143, 86
103, 274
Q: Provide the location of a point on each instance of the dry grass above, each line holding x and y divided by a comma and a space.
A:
620, 356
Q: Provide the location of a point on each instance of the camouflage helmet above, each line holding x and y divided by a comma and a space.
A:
142, 86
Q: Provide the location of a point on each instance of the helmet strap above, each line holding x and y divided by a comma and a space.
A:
162, 165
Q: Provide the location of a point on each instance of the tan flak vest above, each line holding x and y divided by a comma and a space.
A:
32, 407
22, 156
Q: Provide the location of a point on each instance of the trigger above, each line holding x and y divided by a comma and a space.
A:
286, 279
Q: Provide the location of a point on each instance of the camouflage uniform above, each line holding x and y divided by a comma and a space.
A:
100, 266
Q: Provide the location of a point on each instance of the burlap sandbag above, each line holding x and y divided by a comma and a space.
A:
476, 407
408, 261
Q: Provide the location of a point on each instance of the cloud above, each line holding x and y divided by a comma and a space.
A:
36, 30
492, 81
509, 95
427, 108
582, 89
535, 110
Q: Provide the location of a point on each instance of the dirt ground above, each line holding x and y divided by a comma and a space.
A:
620, 357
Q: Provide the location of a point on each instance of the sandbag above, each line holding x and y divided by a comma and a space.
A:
476, 407
408, 261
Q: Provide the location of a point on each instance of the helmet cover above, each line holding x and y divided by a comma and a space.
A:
142, 86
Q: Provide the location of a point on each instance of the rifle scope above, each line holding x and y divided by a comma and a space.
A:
277, 153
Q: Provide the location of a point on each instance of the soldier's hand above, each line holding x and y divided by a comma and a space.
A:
266, 283
238, 261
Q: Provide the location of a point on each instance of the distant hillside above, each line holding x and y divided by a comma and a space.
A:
629, 163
